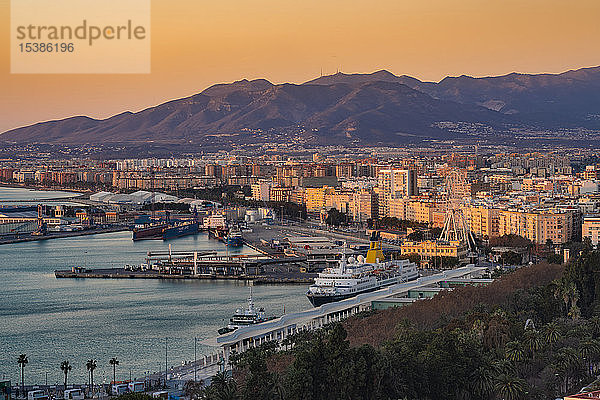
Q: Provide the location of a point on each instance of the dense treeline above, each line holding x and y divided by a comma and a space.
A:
533, 334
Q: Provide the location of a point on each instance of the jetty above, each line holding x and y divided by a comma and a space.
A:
259, 269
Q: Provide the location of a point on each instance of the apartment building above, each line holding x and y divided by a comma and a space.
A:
539, 226
482, 220
315, 198
280, 194
395, 184
435, 248
418, 210
261, 191
591, 229
363, 206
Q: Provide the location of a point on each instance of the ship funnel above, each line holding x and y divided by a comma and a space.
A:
375, 253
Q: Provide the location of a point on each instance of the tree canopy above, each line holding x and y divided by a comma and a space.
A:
532, 334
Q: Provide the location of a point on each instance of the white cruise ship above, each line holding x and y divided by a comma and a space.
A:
359, 275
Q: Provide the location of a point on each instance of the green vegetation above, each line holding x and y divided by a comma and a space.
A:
222, 193
65, 367
513, 258
337, 218
532, 334
511, 241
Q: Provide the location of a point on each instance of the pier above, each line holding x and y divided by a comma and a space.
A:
258, 269
58, 235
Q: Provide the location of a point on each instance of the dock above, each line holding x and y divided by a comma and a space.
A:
59, 235
258, 269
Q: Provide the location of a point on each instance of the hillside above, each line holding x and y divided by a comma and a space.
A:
358, 108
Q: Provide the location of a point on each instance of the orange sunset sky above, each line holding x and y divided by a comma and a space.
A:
196, 43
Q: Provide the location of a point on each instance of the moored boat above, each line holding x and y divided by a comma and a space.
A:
150, 231
359, 275
249, 316
234, 238
179, 229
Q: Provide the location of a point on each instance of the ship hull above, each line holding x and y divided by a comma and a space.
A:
180, 230
319, 300
235, 242
152, 232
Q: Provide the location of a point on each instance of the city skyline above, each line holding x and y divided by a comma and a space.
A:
390, 199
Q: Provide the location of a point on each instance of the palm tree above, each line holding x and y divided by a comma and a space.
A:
551, 333
114, 362
66, 368
482, 382
510, 387
502, 366
568, 365
224, 386
589, 351
91, 366
22, 362
532, 342
595, 325
514, 352
570, 296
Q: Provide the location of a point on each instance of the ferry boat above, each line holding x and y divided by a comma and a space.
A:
249, 316
234, 238
359, 275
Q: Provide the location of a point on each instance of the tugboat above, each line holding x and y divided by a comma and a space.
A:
249, 316
355, 276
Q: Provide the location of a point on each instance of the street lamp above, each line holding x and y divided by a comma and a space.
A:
166, 360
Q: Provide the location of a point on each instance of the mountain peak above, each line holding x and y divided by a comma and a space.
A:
372, 107
222, 89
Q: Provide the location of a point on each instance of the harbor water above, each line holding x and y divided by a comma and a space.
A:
52, 320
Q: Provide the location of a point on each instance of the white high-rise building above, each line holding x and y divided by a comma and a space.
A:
395, 184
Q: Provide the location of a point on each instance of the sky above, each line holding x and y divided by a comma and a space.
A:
196, 43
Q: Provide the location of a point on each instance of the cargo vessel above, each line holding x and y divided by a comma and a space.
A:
151, 231
179, 229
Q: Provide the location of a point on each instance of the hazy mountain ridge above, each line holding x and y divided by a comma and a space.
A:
379, 107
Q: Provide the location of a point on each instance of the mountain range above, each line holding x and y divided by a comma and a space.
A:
362, 108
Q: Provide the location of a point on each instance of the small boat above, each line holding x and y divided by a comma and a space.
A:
249, 316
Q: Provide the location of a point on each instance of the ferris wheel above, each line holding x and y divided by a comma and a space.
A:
456, 227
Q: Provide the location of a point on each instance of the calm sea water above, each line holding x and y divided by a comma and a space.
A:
52, 320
